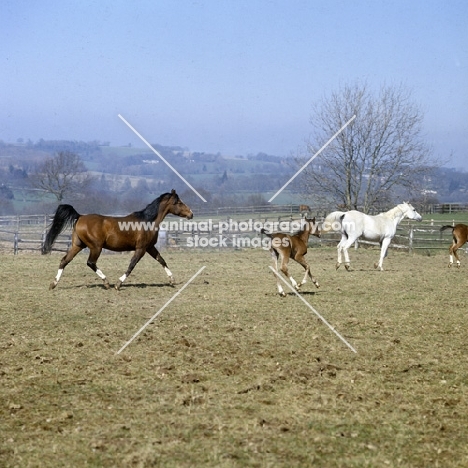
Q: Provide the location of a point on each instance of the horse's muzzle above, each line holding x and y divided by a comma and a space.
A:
190, 216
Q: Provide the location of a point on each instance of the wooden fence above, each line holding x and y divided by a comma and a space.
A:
27, 233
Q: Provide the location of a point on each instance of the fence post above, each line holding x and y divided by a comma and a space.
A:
410, 242
15, 244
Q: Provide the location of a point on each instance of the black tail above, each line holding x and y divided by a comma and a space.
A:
443, 228
65, 216
266, 233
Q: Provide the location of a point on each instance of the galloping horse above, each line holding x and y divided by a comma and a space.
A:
137, 231
289, 246
381, 228
460, 236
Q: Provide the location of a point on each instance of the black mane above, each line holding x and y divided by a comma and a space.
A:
150, 212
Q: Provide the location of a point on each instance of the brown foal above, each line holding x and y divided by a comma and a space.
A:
285, 246
460, 236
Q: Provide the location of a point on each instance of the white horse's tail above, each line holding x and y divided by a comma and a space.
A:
332, 222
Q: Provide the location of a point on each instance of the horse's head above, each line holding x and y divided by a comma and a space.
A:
312, 226
410, 212
178, 207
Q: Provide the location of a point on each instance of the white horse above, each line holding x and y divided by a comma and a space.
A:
381, 228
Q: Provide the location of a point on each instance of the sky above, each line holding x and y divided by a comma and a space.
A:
232, 76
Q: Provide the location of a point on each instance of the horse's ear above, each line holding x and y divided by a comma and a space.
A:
172, 191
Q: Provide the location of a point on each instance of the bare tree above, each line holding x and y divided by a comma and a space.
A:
380, 152
62, 175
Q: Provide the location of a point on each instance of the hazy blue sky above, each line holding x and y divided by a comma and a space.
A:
224, 75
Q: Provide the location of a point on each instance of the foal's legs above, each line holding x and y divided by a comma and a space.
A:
453, 252
69, 256
153, 251
305, 265
274, 256
92, 259
135, 259
284, 270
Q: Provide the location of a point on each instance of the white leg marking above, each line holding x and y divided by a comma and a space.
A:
304, 280
59, 274
100, 274
168, 272
123, 278
293, 281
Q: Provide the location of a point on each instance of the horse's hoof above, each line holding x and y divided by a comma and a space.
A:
282, 294
106, 284
317, 285
117, 285
52, 286
376, 265
449, 265
347, 266
337, 266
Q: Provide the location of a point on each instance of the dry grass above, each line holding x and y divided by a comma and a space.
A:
230, 374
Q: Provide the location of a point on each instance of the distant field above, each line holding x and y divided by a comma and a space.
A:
460, 217
124, 150
230, 374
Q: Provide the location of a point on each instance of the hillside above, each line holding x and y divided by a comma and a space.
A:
128, 173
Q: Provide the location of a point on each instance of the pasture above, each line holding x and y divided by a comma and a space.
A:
230, 374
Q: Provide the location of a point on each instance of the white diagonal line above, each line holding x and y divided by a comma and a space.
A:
160, 310
157, 153
313, 310
312, 158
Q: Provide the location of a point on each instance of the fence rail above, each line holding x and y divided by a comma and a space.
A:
27, 233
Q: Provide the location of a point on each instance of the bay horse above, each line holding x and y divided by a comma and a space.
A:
381, 228
137, 231
460, 236
285, 246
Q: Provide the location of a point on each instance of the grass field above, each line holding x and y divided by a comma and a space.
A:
230, 374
